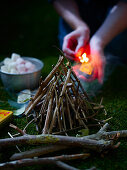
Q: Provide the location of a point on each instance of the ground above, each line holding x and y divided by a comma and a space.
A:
30, 29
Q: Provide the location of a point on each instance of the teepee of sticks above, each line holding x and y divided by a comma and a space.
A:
60, 103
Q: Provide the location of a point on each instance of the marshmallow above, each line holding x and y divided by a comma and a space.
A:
15, 56
17, 65
11, 65
21, 68
4, 69
7, 61
20, 61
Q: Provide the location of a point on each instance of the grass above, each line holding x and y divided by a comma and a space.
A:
32, 32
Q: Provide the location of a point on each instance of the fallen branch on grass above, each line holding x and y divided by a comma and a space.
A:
38, 152
40, 161
91, 144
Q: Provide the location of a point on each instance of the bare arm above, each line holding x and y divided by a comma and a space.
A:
80, 36
115, 23
69, 11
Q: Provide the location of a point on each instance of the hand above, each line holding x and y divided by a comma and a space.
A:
97, 59
74, 41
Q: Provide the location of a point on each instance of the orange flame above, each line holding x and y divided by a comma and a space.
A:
85, 67
84, 58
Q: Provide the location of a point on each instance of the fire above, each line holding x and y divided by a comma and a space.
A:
84, 58
84, 68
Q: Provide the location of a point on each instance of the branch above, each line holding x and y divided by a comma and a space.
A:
37, 152
65, 166
39, 161
16, 128
56, 139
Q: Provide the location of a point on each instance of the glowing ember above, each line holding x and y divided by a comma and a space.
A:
83, 58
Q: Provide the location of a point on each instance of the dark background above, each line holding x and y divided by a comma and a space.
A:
28, 28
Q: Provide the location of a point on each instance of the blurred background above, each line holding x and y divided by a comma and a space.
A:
29, 28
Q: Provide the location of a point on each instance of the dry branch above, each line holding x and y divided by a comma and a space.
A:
39, 161
99, 145
37, 152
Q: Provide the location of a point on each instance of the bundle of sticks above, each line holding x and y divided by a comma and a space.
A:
60, 103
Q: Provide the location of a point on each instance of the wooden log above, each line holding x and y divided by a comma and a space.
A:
91, 144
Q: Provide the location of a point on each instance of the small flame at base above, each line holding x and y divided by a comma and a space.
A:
83, 58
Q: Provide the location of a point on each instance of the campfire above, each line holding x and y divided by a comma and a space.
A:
60, 105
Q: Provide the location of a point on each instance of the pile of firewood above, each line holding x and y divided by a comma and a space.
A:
61, 104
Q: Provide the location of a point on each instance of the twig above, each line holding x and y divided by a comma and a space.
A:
60, 99
37, 152
45, 129
65, 166
24, 130
16, 145
39, 161
16, 128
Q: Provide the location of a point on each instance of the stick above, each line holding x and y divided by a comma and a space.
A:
40, 161
65, 166
27, 125
16, 128
57, 139
45, 129
33, 104
58, 113
45, 82
60, 99
63, 116
37, 152
16, 145
68, 112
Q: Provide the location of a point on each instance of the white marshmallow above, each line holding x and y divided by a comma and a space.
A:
4, 69
21, 68
14, 56
20, 61
12, 65
7, 61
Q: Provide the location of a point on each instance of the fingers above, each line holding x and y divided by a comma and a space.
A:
68, 47
73, 42
82, 41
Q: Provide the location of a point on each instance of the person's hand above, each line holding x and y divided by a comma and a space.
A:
74, 41
97, 59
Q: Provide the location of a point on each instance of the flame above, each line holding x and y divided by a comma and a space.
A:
83, 58
84, 69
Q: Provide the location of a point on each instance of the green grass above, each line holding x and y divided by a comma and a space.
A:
32, 32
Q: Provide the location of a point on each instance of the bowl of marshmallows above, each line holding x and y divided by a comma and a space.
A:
19, 73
